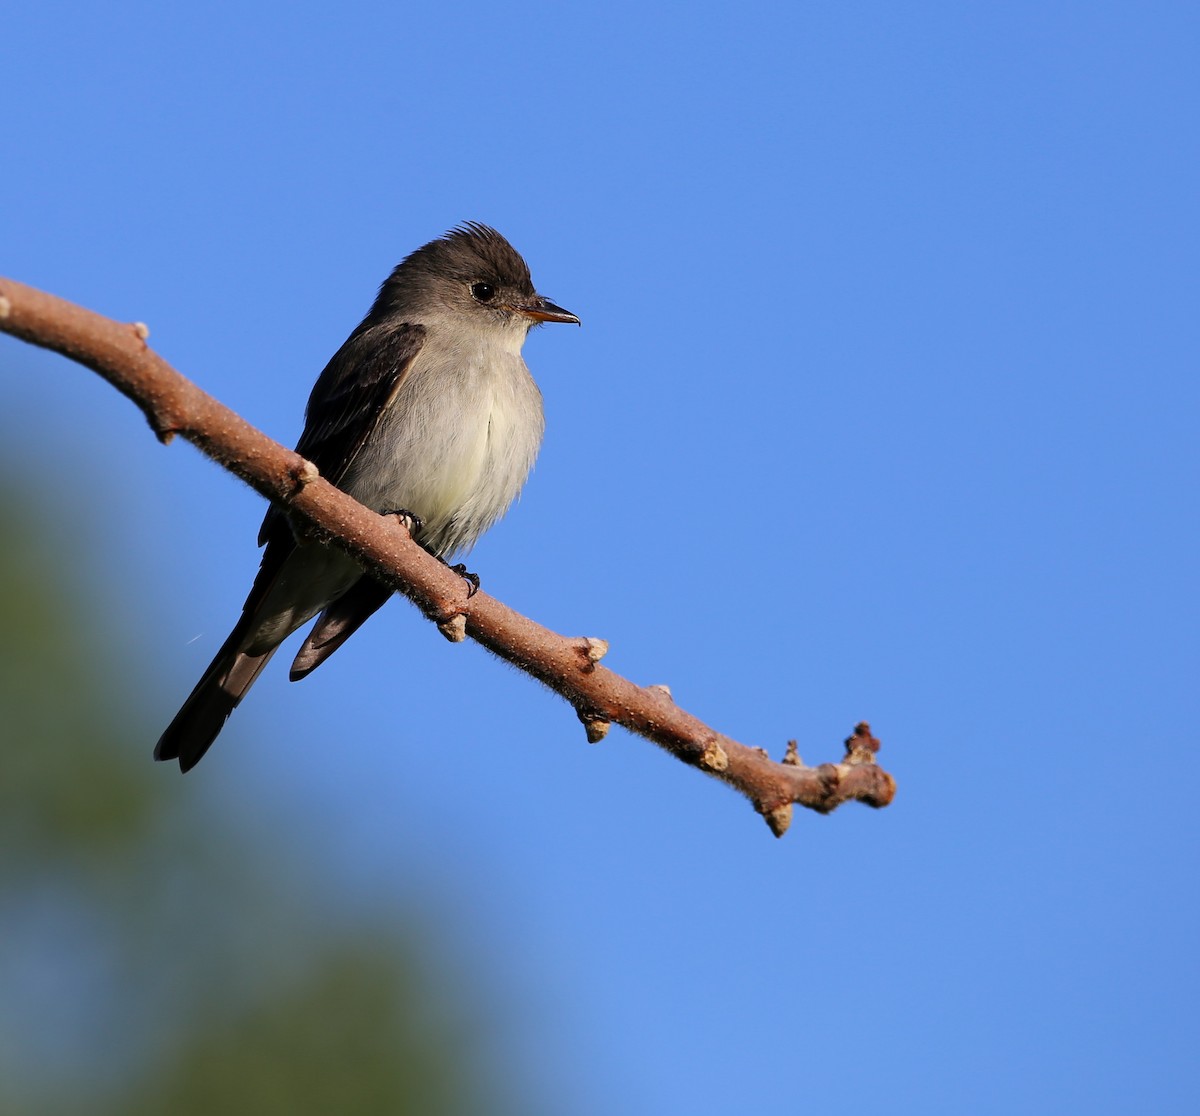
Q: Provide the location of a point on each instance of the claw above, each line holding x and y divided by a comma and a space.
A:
412, 522
471, 579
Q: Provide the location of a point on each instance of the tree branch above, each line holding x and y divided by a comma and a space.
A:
570, 666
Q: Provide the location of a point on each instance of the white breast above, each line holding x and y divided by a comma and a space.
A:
458, 441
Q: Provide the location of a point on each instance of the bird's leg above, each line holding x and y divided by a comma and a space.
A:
413, 524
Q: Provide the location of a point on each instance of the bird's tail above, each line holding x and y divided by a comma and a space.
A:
208, 706
338, 622
293, 584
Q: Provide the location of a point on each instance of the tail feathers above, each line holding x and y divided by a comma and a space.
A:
338, 623
208, 706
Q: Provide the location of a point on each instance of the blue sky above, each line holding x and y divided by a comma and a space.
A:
883, 407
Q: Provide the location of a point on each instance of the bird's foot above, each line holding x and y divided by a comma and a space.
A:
471, 579
411, 521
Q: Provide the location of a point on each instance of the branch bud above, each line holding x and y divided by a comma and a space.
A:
594, 725
595, 649
779, 818
301, 476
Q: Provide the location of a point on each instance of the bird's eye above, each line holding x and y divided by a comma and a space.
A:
483, 292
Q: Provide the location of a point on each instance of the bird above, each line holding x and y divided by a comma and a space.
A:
427, 411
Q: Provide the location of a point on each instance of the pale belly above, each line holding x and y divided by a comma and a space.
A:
455, 449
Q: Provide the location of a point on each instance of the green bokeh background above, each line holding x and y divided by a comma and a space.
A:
155, 955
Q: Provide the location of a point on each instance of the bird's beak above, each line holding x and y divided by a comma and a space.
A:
543, 310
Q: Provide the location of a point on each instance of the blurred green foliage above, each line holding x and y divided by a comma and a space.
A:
151, 959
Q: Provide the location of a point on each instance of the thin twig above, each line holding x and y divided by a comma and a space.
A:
173, 405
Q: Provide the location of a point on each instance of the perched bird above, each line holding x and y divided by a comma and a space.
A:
428, 409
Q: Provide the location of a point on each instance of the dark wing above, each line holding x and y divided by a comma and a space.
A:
350, 396
338, 622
